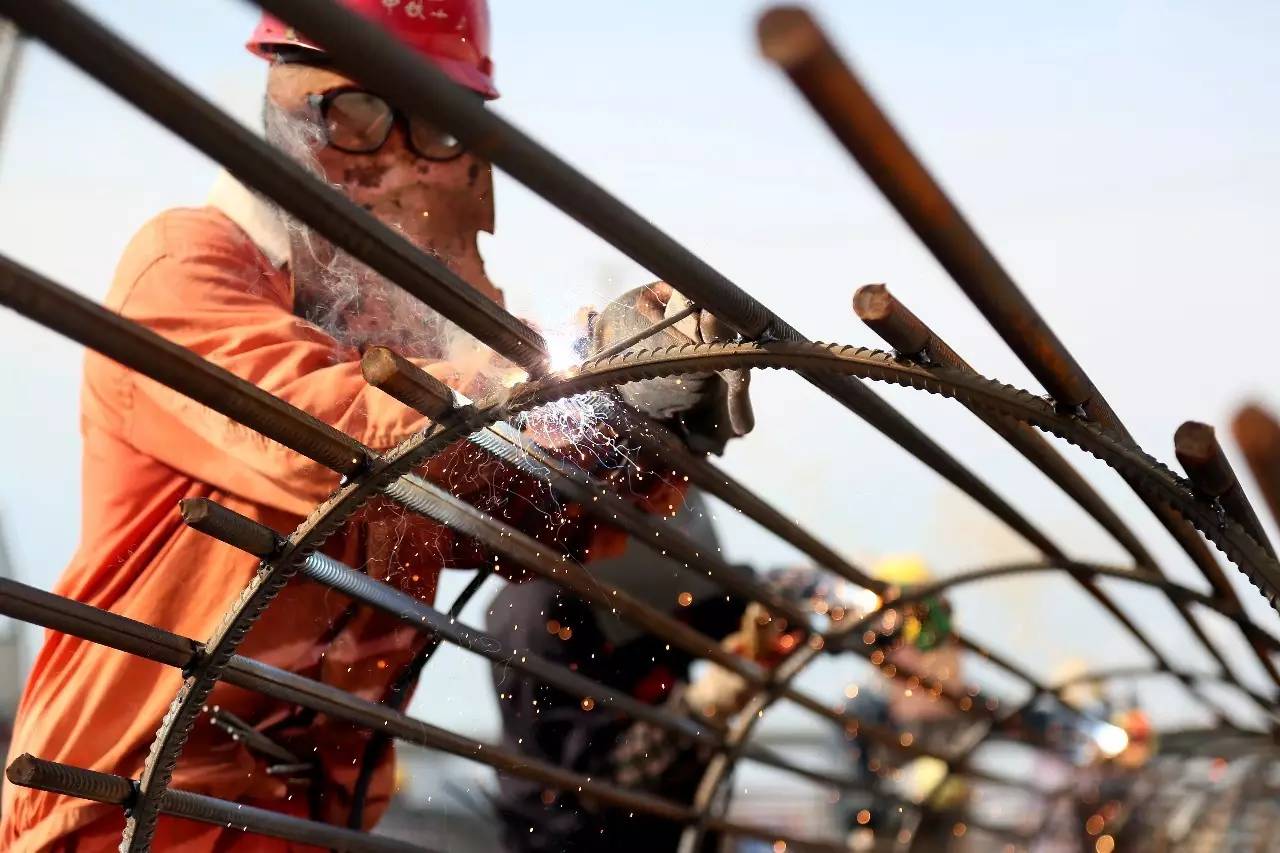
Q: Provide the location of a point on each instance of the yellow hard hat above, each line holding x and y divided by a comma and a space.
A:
902, 570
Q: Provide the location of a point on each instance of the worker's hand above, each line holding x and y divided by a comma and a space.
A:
712, 407
762, 639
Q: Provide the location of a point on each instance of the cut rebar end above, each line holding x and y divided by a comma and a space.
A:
22, 770
394, 374
229, 526
891, 320
788, 35
872, 302
1202, 458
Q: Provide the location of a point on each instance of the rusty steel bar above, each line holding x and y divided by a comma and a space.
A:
119, 632
908, 334
792, 39
387, 66
1202, 457
71, 315
115, 64
1258, 436
32, 772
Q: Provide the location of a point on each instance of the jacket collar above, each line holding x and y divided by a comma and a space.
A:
258, 218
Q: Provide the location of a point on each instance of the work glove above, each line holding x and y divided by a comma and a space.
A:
762, 639
708, 408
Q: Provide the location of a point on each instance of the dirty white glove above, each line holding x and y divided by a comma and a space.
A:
710, 407
721, 693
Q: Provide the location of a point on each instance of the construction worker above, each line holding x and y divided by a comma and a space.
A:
915, 637
264, 297
549, 724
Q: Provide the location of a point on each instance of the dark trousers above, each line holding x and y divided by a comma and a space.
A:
545, 723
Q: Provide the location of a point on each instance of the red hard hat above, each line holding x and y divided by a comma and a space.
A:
454, 34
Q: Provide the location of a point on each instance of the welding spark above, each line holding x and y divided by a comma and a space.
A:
564, 351
577, 424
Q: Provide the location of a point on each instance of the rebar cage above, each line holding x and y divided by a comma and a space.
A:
1210, 506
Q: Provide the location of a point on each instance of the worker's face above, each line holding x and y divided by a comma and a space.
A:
439, 205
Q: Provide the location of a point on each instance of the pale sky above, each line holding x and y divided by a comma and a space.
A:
1121, 159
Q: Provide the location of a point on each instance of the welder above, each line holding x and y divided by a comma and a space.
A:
259, 294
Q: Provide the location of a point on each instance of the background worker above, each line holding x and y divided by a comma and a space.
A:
916, 637
268, 299
545, 723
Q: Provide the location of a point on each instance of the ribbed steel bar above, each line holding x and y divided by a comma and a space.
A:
380, 62
37, 607
32, 772
791, 38
102, 55
393, 374
90, 623
903, 329
71, 315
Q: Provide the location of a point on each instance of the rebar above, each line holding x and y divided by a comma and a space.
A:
32, 772
1212, 501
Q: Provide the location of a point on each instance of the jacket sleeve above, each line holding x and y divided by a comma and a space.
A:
205, 288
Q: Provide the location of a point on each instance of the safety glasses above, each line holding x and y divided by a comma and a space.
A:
359, 122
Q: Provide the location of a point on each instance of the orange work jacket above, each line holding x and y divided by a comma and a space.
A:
196, 277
